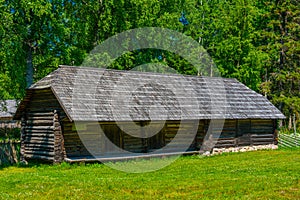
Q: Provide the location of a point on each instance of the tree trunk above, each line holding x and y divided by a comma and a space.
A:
294, 123
29, 68
290, 123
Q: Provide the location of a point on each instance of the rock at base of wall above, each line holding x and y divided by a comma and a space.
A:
217, 151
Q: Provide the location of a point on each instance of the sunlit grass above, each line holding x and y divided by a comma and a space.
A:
251, 175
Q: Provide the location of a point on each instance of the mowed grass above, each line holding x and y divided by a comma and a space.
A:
250, 175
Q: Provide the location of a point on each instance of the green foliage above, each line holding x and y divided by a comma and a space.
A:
255, 42
9, 133
280, 41
286, 130
249, 175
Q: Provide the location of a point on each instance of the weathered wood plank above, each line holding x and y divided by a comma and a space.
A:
29, 128
39, 113
40, 118
224, 145
262, 135
33, 156
40, 135
39, 141
38, 145
262, 139
36, 152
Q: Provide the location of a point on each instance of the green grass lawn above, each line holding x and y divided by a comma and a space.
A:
251, 175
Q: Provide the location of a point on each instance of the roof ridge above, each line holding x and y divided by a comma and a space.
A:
140, 72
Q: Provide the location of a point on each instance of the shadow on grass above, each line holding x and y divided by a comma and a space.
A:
30, 164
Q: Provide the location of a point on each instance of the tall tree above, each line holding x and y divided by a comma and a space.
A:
11, 75
230, 38
36, 37
282, 43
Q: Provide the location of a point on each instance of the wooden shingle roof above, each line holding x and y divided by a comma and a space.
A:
7, 109
95, 94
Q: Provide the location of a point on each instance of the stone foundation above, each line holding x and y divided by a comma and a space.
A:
217, 151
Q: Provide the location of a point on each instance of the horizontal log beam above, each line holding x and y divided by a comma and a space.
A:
35, 152
39, 141
37, 145
38, 113
33, 156
28, 128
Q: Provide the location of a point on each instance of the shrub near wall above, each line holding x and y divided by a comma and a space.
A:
9, 146
9, 152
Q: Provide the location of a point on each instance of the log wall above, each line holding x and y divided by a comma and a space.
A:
234, 133
38, 126
76, 144
247, 132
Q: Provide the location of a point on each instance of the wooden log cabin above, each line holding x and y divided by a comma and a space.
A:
81, 114
7, 111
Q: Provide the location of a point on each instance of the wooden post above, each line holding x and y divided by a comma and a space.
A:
275, 131
207, 144
163, 136
23, 137
237, 132
294, 123
144, 140
59, 147
121, 135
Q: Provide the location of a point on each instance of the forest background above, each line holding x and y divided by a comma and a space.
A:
256, 42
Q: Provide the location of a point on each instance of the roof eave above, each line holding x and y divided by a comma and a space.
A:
22, 106
61, 104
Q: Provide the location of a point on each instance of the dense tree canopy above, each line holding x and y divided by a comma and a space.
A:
255, 42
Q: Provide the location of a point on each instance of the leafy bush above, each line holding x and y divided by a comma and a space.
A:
9, 133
